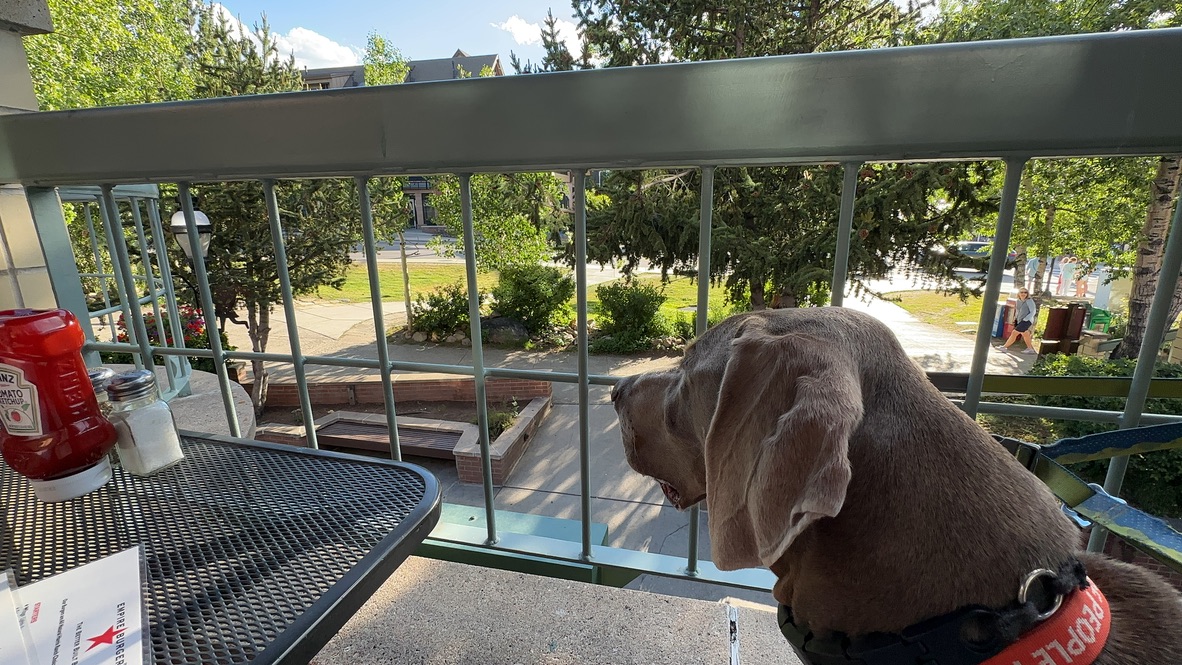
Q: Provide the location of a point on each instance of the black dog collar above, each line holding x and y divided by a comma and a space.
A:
942, 640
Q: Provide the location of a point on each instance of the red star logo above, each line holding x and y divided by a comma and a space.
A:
107, 637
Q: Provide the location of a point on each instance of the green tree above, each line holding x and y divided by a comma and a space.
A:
514, 215
774, 228
1092, 209
384, 64
109, 52
320, 217
1108, 183
558, 57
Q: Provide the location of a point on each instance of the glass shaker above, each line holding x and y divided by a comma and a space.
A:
99, 376
148, 438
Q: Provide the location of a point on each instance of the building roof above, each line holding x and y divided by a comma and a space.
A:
349, 75
445, 69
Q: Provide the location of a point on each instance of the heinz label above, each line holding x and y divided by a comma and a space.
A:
18, 403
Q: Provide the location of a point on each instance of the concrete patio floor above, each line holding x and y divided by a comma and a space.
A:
436, 612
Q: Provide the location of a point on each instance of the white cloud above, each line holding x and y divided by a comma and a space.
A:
523, 33
312, 49
309, 48
530, 34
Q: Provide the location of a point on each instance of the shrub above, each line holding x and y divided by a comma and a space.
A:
194, 333
534, 295
1153, 478
443, 311
684, 324
631, 317
631, 307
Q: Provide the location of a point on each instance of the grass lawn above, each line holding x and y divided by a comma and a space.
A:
942, 311
946, 311
424, 278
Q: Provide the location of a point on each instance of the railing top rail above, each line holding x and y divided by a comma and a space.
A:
1057, 96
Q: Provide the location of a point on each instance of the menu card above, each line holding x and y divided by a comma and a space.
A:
89, 615
16, 645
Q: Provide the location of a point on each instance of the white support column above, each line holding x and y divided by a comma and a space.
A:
24, 278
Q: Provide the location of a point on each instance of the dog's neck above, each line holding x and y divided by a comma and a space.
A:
925, 529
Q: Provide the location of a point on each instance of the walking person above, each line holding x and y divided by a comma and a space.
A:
1031, 271
1025, 312
1081, 280
1066, 274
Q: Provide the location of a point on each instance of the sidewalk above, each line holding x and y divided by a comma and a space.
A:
546, 480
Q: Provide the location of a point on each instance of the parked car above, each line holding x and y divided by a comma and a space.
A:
970, 254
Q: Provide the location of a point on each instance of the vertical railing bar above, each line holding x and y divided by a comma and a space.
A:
98, 268
702, 321
293, 334
479, 378
130, 297
177, 364
997, 263
207, 309
125, 291
379, 321
1155, 328
845, 226
146, 258
579, 180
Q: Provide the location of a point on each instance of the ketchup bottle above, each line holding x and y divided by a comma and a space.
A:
52, 430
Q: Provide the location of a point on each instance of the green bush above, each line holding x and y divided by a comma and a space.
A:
1153, 479
444, 310
534, 295
684, 324
631, 317
631, 307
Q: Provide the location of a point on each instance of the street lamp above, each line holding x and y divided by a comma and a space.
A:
204, 231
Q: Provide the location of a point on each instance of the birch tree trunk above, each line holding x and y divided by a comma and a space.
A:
1045, 290
259, 326
1147, 271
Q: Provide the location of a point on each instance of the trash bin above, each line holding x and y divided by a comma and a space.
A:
1076, 315
1056, 327
1004, 323
1100, 320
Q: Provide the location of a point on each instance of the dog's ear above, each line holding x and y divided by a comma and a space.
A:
777, 450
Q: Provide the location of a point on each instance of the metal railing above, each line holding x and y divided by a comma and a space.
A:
155, 274
1013, 101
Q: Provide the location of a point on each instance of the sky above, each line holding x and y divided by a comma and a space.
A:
323, 33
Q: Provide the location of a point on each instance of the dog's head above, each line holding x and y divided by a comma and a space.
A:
756, 419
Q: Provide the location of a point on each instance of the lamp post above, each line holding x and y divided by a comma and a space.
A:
204, 232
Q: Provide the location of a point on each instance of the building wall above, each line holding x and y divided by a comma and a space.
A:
24, 278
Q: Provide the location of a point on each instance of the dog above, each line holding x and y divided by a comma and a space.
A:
824, 454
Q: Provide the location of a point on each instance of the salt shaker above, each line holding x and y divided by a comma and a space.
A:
148, 438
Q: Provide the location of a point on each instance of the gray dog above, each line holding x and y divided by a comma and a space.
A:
824, 454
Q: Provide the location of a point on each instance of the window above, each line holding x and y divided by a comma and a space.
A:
316, 85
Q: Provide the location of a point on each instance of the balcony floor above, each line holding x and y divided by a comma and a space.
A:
436, 612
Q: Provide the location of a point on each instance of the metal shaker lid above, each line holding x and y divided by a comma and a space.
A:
99, 377
131, 385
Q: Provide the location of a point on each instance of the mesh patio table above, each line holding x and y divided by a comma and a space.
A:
254, 552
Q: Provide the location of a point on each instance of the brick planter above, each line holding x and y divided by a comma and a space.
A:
417, 387
506, 451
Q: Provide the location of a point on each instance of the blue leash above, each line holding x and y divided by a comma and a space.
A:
1088, 501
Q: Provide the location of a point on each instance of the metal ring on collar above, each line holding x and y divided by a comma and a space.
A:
1025, 589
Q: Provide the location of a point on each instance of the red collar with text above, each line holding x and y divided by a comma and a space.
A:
1075, 635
